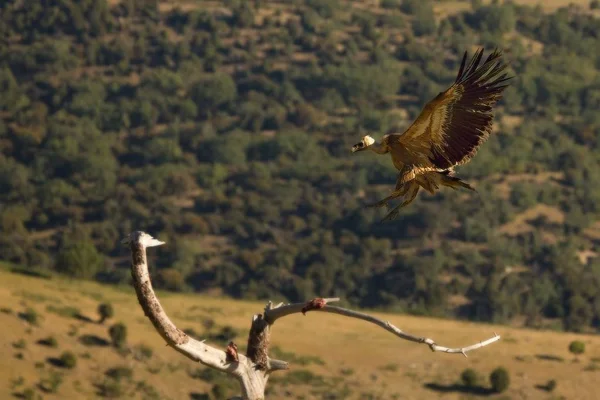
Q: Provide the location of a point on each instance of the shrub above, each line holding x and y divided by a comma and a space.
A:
500, 379
551, 385
110, 388
31, 316
50, 341
105, 310
51, 383
28, 394
118, 334
20, 344
79, 259
577, 347
119, 373
390, 4
142, 352
469, 377
68, 360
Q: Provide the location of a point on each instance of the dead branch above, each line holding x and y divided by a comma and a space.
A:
252, 370
273, 314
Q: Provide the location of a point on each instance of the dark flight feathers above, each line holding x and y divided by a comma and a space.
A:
468, 121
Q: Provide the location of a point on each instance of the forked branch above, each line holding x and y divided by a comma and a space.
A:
253, 369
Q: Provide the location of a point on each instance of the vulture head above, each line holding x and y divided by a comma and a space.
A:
363, 144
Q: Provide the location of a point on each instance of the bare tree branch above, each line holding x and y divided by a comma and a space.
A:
273, 314
176, 338
253, 369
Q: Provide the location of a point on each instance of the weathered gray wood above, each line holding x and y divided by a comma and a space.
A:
253, 369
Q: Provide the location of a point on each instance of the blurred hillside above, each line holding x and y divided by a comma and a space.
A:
225, 127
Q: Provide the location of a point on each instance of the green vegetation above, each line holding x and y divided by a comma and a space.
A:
105, 310
68, 359
500, 379
550, 385
50, 341
118, 334
469, 377
577, 347
142, 352
227, 135
119, 373
31, 316
51, 382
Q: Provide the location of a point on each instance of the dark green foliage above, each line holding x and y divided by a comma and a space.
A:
119, 373
51, 382
79, 259
31, 316
577, 347
116, 116
28, 394
50, 341
469, 377
105, 310
499, 379
68, 360
111, 388
495, 18
214, 91
414, 6
550, 385
390, 4
142, 352
118, 334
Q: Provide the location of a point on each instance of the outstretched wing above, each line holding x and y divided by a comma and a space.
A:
452, 126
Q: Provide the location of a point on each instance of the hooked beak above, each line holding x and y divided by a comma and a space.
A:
358, 147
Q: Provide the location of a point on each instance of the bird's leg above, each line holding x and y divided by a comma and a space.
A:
412, 193
401, 190
427, 182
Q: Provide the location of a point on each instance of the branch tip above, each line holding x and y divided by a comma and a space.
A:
142, 238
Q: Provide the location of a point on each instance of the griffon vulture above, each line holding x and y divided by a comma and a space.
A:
447, 133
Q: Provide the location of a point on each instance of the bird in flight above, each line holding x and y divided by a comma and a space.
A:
447, 133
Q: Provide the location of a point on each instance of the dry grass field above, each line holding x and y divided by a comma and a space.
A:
356, 357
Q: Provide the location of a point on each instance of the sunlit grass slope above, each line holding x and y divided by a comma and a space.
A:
354, 358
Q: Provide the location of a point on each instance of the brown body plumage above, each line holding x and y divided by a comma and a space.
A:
447, 133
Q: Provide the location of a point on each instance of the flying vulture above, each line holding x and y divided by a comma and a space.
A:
447, 133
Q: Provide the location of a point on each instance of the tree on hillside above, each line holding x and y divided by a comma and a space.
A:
252, 370
79, 258
105, 310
